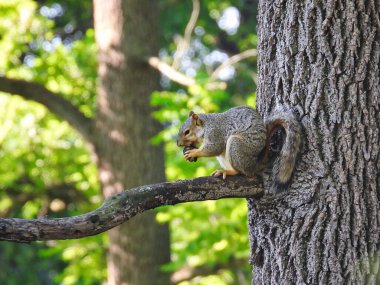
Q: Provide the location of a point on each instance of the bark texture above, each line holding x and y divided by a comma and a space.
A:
126, 34
321, 58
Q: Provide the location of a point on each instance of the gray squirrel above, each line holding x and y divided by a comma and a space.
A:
243, 142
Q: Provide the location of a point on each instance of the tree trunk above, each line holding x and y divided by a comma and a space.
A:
126, 34
321, 58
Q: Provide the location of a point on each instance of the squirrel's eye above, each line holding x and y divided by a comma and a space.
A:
187, 132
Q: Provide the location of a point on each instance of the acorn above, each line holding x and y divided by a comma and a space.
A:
186, 148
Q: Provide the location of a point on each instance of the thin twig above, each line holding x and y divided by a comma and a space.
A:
170, 72
185, 41
187, 272
233, 60
179, 77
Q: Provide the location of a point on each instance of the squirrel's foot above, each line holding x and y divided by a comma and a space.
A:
224, 172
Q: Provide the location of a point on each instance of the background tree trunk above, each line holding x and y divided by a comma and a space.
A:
126, 34
322, 59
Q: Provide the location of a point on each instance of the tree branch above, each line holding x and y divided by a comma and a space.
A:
188, 272
170, 72
184, 42
53, 101
123, 206
233, 60
179, 77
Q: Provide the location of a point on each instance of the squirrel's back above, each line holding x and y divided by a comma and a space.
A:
244, 119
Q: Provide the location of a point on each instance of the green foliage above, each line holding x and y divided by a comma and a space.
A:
46, 168
208, 39
25, 264
18, 27
211, 232
85, 260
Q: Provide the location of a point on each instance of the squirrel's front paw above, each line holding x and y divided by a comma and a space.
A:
224, 173
191, 154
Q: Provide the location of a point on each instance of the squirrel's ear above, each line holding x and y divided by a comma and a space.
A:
196, 120
191, 113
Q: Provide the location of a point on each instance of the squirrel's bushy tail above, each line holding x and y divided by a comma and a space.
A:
283, 123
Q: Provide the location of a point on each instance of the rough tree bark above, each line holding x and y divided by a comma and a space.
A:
321, 58
126, 34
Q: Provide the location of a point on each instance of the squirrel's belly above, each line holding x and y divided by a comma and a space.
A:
224, 163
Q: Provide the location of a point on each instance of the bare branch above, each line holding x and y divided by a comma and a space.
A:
233, 60
170, 72
179, 77
123, 206
189, 272
53, 101
176, 76
184, 42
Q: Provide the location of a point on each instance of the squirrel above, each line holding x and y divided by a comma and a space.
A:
244, 143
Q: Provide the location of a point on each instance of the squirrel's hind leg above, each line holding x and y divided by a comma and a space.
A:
242, 155
228, 169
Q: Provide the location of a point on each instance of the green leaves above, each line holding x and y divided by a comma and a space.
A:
45, 167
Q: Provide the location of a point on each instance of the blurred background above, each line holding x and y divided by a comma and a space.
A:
207, 63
